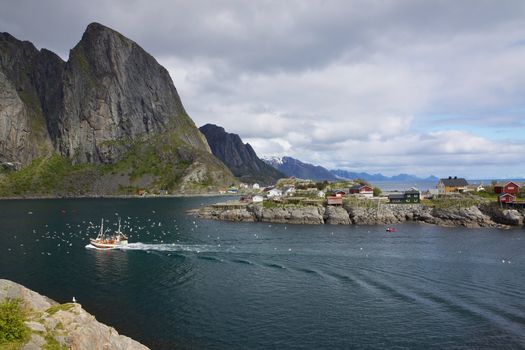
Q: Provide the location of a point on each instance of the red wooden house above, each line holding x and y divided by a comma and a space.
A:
364, 190
509, 187
506, 198
339, 193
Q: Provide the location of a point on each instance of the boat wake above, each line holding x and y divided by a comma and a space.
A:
163, 247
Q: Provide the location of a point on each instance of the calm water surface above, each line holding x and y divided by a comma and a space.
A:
196, 284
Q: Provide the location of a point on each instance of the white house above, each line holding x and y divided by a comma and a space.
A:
257, 199
321, 194
274, 192
256, 186
289, 191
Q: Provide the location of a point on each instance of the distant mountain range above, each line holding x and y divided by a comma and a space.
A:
380, 177
294, 167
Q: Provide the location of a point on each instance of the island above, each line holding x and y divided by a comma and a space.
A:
294, 201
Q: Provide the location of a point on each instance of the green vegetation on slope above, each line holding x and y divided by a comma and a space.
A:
51, 175
159, 162
13, 331
60, 307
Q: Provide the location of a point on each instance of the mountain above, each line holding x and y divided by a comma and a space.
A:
294, 167
344, 174
239, 157
110, 114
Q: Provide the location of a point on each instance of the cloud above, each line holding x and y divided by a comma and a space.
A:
391, 86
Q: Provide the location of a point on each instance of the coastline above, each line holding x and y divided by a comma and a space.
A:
483, 215
120, 196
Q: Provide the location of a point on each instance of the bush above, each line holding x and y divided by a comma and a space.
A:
12, 327
377, 191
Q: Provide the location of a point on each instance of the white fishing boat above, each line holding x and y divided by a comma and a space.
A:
112, 241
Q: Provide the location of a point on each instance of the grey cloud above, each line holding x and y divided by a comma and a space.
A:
325, 80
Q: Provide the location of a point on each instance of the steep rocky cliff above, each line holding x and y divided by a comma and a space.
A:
111, 106
29, 90
240, 158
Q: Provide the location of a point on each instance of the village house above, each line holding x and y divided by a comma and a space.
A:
257, 199
233, 190
339, 193
452, 185
256, 186
411, 196
245, 199
288, 190
363, 190
321, 194
506, 198
333, 200
274, 192
510, 188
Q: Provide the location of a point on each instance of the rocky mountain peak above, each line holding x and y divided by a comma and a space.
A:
240, 158
115, 90
110, 102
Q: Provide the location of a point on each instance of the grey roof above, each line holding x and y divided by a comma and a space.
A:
454, 182
396, 196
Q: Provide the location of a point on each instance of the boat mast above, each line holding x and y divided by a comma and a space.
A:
101, 233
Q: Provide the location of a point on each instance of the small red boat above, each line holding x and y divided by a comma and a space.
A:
391, 229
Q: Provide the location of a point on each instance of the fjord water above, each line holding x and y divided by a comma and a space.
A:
187, 283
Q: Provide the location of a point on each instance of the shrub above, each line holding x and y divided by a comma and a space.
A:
12, 327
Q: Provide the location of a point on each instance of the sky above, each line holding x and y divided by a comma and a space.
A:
405, 86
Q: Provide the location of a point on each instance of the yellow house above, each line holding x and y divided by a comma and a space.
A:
452, 185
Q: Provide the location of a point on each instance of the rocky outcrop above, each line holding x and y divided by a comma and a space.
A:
110, 103
289, 215
336, 216
64, 325
114, 90
239, 157
385, 214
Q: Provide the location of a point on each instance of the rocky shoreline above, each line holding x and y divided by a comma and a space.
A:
52, 325
120, 196
484, 215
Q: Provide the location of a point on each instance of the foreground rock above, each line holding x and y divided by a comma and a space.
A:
64, 325
385, 214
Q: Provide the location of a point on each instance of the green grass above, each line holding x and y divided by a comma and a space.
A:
60, 307
487, 195
45, 175
269, 204
13, 331
454, 201
163, 158
52, 343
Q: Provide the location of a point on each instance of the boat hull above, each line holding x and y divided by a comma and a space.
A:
100, 245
